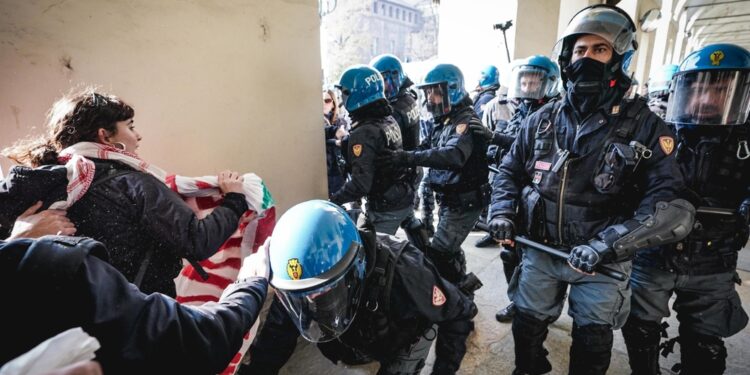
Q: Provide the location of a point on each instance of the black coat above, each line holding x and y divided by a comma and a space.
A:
134, 215
58, 283
387, 188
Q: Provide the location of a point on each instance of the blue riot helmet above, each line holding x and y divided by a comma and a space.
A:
533, 78
360, 85
609, 23
443, 87
489, 78
660, 80
711, 87
318, 268
390, 68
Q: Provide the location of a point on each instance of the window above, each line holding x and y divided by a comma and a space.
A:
375, 7
410, 14
382, 9
390, 11
398, 13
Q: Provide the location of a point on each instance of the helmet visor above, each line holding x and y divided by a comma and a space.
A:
604, 22
390, 78
529, 82
711, 97
324, 313
437, 100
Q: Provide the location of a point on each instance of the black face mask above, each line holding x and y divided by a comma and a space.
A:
590, 84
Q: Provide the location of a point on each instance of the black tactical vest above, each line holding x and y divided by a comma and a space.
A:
582, 194
716, 165
474, 173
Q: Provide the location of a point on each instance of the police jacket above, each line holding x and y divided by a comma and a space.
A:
457, 158
569, 179
714, 162
406, 114
146, 226
387, 188
389, 318
482, 99
58, 283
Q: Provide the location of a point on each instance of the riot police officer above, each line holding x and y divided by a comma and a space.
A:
534, 81
579, 170
458, 168
658, 89
709, 109
403, 100
489, 83
361, 296
388, 189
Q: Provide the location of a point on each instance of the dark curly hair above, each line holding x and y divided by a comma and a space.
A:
76, 117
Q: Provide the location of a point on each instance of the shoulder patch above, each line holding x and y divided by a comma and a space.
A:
438, 298
667, 144
461, 128
357, 150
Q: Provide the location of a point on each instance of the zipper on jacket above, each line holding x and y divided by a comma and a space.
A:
561, 200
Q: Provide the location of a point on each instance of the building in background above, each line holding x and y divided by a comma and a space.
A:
355, 31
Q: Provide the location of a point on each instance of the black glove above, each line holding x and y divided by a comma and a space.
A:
586, 257
502, 228
395, 158
480, 130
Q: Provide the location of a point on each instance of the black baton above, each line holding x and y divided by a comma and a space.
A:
604, 270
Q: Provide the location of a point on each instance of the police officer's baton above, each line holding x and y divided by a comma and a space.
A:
604, 270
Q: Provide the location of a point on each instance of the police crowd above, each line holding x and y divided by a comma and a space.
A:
610, 200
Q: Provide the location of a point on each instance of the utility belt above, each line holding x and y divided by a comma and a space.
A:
472, 199
722, 233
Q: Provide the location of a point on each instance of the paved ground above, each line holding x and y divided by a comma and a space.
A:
491, 345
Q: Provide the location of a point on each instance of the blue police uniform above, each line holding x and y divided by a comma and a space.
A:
583, 172
701, 269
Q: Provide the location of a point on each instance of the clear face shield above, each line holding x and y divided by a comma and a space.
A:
437, 99
712, 97
326, 312
390, 79
344, 93
529, 83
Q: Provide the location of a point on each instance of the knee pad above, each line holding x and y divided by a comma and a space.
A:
638, 332
593, 337
529, 334
702, 354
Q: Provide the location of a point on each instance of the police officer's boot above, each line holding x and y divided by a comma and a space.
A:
642, 341
529, 334
416, 232
591, 350
506, 314
702, 354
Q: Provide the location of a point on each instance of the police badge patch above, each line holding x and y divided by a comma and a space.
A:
461, 128
294, 269
357, 150
438, 298
667, 144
